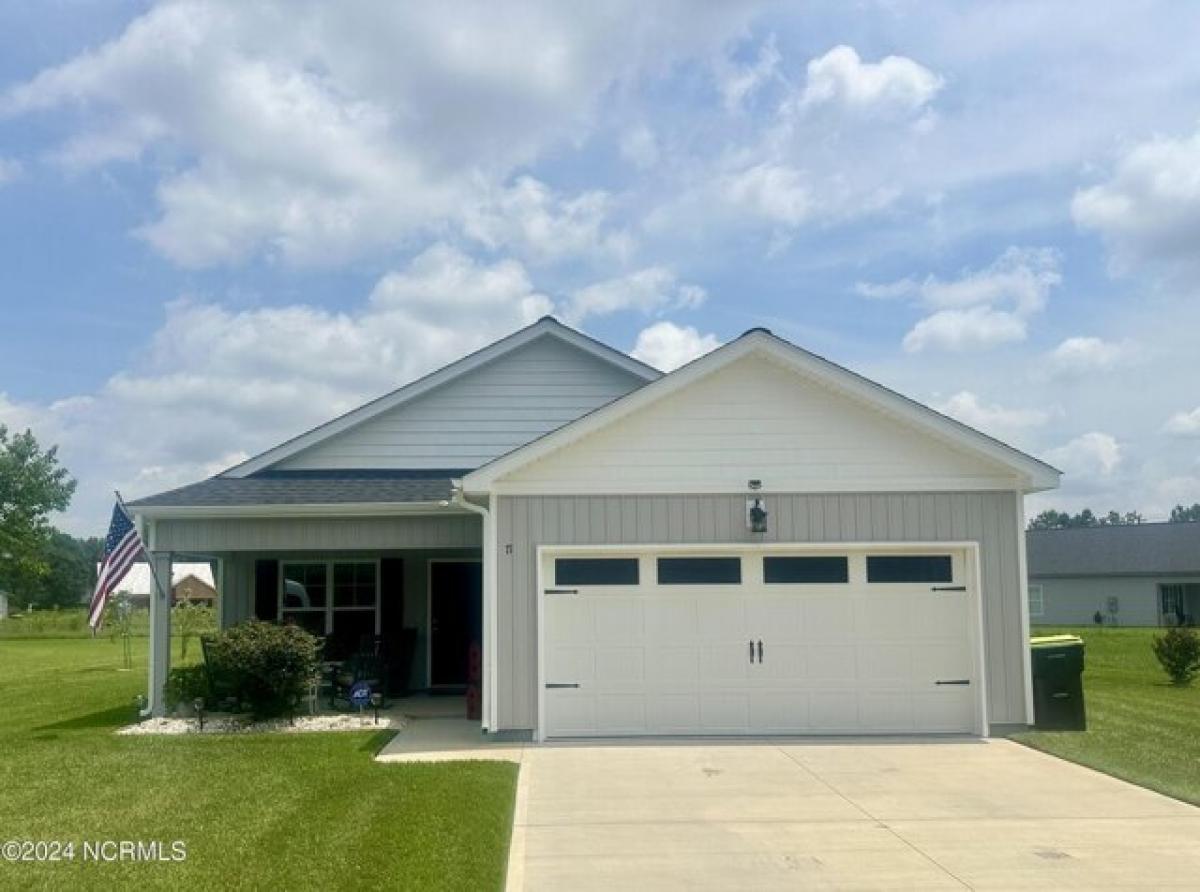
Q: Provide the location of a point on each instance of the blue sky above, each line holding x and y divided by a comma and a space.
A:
221, 224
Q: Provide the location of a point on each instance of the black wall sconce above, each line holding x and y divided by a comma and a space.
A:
756, 515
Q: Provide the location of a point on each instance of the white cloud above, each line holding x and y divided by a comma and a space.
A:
738, 83
773, 192
894, 84
667, 346
639, 146
981, 308
1150, 207
530, 218
975, 327
1184, 423
216, 383
1082, 355
655, 289
317, 134
1087, 457
967, 408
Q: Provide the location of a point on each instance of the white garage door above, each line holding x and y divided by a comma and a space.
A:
758, 642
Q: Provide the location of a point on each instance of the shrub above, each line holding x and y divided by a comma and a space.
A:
1179, 653
269, 667
185, 684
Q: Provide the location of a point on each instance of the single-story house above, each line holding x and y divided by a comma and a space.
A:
759, 542
1145, 574
190, 581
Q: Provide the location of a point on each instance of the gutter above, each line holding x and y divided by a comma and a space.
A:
322, 509
490, 577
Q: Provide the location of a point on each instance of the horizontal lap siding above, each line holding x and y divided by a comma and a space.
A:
525, 522
309, 533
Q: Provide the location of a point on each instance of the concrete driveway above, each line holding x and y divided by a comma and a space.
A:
776, 815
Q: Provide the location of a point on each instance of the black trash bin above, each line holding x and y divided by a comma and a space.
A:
1058, 683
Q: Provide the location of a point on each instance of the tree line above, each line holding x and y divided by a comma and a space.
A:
39, 564
1051, 519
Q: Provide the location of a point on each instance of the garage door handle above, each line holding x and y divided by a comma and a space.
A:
760, 651
953, 681
562, 591
752, 651
562, 684
948, 588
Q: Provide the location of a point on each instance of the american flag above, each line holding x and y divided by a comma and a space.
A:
122, 547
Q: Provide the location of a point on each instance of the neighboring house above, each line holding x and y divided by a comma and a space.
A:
3, 605
1144, 574
189, 581
758, 542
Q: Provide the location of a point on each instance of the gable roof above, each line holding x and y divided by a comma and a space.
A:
547, 326
1036, 474
1115, 550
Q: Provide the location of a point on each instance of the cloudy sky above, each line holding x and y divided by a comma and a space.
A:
222, 223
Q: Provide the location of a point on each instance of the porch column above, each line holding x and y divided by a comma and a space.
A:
160, 632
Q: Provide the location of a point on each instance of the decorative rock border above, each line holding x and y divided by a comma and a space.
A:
227, 724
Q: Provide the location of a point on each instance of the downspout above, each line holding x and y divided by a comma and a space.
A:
489, 603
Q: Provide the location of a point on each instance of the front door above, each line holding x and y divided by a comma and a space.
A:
455, 619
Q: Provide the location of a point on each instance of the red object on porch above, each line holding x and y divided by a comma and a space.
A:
474, 676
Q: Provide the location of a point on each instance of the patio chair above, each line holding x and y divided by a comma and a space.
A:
368, 667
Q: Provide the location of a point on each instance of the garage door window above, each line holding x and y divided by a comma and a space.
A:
700, 571
909, 568
805, 570
596, 571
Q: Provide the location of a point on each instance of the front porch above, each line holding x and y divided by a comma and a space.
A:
418, 608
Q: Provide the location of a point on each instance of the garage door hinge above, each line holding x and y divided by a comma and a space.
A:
953, 681
948, 588
562, 591
562, 684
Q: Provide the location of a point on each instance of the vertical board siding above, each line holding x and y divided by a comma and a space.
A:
318, 533
525, 522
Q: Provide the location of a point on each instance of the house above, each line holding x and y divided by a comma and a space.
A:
3, 604
190, 581
758, 542
1145, 574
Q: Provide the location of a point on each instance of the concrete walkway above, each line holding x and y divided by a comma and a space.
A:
788, 815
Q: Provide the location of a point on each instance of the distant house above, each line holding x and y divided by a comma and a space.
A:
1133, 575
189, 582
3, 605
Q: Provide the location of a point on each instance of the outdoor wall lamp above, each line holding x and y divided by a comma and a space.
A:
756, 515
198, 705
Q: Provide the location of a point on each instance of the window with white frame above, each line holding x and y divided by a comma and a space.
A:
337, 599
1037, 601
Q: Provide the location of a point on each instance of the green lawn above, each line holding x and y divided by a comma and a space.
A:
1140, 728
309, 811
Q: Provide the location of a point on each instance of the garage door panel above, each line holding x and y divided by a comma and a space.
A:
620, 665
843, 658
724, 712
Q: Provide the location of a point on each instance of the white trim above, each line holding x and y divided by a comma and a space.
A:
325, 509
777, 485
429, 562
1032, 474
1023, 587
972, 571
546, 326
489, 713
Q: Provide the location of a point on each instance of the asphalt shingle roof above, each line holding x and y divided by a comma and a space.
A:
1147, 548
310, 488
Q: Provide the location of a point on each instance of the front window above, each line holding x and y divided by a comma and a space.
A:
337, 600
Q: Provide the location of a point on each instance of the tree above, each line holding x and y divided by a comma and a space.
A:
1051, 519
1179, 514
32, 484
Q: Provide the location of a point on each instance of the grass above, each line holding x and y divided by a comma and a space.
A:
272, 811
1140, 727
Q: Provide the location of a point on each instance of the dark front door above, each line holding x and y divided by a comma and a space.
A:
455, 619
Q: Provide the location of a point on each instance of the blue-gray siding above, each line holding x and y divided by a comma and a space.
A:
525, 522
